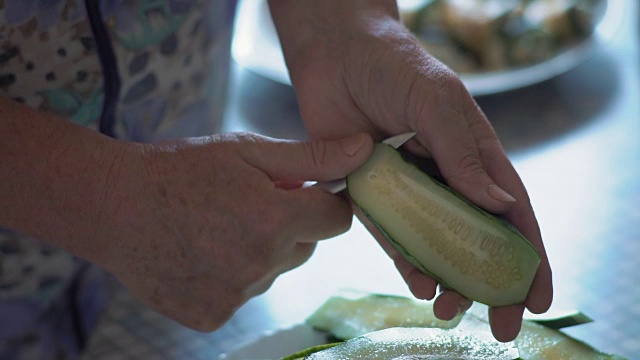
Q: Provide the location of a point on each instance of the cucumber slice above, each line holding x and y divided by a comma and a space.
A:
445, 236
540, 342
302, 354
345, 318
535, 342
419, 343
562, 320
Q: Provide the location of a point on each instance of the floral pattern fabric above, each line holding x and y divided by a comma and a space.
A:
171, 58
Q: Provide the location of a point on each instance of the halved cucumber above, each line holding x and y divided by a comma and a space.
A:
464, 247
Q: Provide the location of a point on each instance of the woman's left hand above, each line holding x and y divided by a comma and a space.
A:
355, 68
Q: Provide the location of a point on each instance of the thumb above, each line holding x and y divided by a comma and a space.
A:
320, 160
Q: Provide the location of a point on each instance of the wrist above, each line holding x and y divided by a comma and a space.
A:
56, 178
310, 29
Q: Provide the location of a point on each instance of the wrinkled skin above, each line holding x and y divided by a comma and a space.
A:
370, 74
196, 227
213, 221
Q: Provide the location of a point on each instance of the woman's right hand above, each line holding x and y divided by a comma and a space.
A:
198, 226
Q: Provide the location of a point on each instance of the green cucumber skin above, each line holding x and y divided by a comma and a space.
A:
565, 321
489, 219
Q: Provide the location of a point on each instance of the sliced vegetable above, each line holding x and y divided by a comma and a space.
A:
535, 341
540, 342
419, 343
464, 247
345, 318
302, 354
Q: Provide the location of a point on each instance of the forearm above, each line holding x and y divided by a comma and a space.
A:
306, 27
56, 178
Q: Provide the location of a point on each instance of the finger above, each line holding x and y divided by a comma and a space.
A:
455, 143
311, 160
450, 304
506, 322
540, 295
421, 285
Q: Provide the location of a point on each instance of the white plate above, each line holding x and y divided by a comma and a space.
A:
257, 48
279, 343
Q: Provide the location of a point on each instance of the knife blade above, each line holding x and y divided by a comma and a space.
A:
337, 185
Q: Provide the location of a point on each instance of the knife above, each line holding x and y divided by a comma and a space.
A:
337, 185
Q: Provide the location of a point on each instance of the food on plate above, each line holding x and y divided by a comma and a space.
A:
473, 36
468, 337
442, 234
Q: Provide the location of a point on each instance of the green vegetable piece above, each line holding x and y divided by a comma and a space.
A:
562, 320
419, 343
345, 318
540, 342
445, 236
347, 314
308, 351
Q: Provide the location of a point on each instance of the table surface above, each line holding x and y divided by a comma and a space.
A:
575, 140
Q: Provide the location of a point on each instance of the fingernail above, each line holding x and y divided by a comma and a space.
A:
351, 145
463, 307
497, 193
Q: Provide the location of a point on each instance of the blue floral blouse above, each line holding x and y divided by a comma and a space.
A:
140, 70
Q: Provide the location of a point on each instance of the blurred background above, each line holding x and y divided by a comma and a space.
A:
568, 114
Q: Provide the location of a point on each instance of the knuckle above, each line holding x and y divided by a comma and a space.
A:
317, 153
210, 321
468, 166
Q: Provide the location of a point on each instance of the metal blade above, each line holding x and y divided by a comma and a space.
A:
399, 140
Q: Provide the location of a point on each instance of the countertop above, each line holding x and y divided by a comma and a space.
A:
574, 139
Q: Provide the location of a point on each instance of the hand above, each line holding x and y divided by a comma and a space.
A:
201, 225
356, 68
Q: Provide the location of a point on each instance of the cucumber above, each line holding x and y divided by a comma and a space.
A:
302, 354
536, 341
419, 343
345, 318
472, 339
562, 320
442, 234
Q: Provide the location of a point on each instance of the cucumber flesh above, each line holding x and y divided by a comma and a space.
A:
419, 343
445, 236
540, 342
535, 341
346, 318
